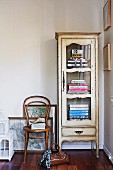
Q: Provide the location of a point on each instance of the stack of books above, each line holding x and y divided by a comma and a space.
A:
71, 63
78, 111
77, 60
39, 123
83, 62
78, 86
77, 53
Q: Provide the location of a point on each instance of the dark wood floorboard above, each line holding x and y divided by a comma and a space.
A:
79, 160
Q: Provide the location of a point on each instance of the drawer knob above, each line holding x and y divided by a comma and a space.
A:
79, 132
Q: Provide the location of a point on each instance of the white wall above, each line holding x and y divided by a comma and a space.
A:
28, 49
27, 52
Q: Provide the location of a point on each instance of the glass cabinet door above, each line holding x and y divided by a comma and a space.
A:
78, 82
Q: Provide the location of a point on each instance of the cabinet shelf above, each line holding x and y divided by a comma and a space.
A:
78, 70
69, 96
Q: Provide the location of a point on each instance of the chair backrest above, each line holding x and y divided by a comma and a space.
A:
36, 106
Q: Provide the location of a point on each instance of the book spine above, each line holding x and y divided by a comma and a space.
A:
77, 108
74, 114
79, 114
78, 105
77, 117
78, 86
79, 89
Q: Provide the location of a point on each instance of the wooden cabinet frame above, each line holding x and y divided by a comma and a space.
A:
86, 129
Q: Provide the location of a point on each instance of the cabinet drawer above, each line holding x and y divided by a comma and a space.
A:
78, 131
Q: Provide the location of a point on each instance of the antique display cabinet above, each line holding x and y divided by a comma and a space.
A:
78, 88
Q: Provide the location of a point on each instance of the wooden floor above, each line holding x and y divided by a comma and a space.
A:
79, 160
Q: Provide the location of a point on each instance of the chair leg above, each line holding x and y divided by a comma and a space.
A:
46, 139
26, 144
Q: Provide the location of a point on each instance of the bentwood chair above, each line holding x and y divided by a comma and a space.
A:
39, 101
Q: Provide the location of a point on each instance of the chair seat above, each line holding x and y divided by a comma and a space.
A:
28, 129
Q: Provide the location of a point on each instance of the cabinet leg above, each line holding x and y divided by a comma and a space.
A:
92, 145
97, 150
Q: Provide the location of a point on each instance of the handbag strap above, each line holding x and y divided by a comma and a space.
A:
58, 147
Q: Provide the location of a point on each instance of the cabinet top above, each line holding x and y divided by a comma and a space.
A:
64, 34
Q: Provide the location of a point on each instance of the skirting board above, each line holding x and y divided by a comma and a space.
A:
108, 153
79, 145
